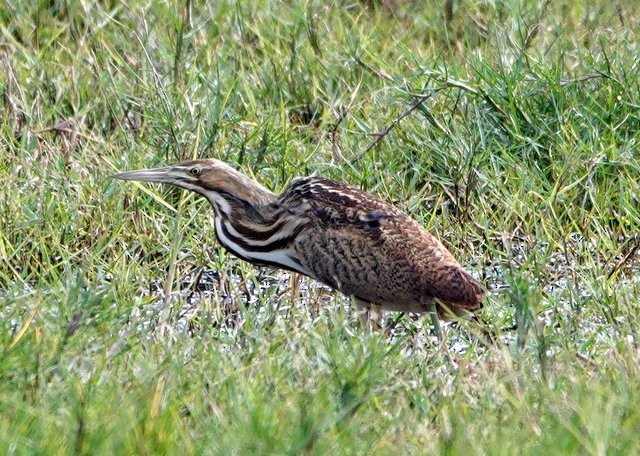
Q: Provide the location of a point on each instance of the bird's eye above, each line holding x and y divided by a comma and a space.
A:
195, 171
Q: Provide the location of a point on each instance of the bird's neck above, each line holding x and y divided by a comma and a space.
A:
265, 212
250, 203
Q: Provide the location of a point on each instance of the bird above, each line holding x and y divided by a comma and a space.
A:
337, 234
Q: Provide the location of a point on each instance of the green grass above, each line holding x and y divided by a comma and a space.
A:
126, 329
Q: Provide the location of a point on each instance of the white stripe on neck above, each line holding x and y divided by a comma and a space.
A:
281, 256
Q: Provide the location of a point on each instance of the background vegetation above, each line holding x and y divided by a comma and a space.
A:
509, 128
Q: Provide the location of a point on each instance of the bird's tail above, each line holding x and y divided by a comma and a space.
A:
464, 294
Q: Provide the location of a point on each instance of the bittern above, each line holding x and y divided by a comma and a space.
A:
334, 233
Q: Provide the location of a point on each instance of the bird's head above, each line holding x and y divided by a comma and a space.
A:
222, 185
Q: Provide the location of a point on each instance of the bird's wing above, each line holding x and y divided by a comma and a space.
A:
372, 250
335, 204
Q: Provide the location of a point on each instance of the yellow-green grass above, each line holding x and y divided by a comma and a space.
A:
126, 329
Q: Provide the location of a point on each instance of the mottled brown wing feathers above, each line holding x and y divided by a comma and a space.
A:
337, 203
414, 267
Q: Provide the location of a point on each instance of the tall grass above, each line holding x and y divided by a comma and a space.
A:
510, 130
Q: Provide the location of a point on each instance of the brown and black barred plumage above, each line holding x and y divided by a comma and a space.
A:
334, 233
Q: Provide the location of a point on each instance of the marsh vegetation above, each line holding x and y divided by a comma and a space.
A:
510, 129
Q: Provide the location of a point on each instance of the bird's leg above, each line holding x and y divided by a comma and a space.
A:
370, 315
294, 285
435, 321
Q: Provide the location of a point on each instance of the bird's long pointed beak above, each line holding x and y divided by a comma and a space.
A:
162, 175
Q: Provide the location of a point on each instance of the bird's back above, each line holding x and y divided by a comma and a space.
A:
371, 250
